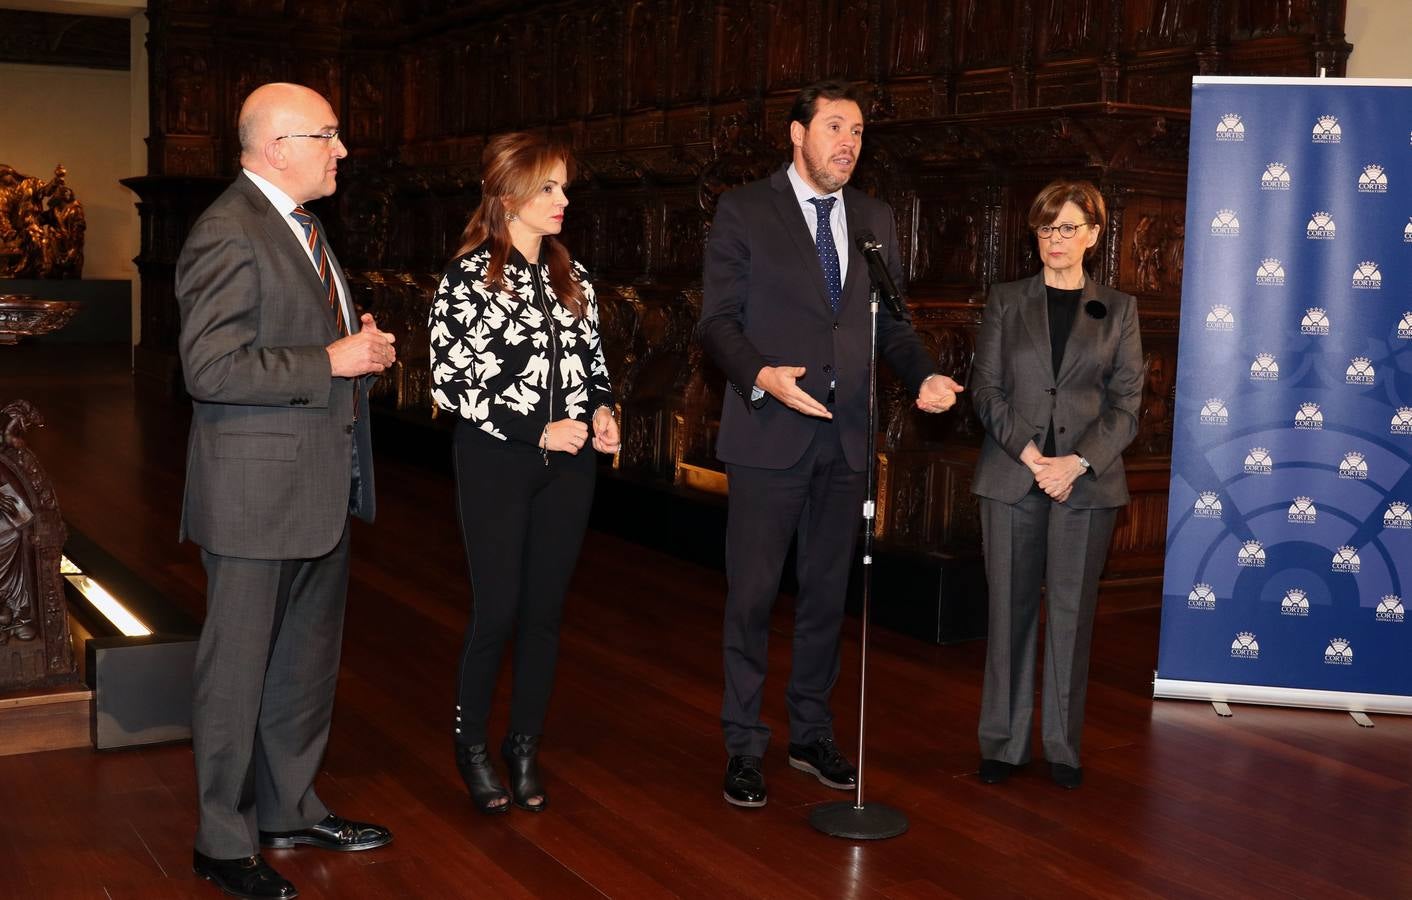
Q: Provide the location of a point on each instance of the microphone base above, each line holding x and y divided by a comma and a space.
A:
869, 822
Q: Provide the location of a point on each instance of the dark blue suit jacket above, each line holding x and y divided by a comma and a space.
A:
766, 304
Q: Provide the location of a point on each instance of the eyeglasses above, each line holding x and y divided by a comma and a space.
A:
1066, 230
329, 136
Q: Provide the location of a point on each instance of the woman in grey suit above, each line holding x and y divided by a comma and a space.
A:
1057, 382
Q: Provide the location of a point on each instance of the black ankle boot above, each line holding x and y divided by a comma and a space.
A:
520, 752
473, 762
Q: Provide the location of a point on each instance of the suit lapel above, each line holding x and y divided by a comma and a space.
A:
281, 236
1083, 334
792, 218
299, 258
1034, 312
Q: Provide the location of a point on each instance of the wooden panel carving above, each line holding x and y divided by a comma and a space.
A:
1071, 27
570, 56
686, 56
1154, 24
605, 62
787, 45
734, 71
850, 42
642, 59
986, 27
188, 95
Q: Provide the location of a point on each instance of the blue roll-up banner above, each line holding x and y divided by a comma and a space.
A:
1289, 523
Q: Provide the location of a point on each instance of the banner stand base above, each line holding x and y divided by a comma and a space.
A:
1259, 695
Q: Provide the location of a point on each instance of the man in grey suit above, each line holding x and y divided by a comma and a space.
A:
279, 456
786, 317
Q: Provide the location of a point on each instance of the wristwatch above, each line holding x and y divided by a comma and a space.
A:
1085, 463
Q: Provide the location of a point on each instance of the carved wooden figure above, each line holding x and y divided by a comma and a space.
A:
36, 649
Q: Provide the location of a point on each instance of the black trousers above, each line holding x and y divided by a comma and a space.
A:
820, 500
523, 524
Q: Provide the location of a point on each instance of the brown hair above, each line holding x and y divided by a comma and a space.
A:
1082, 194
806, 102
513, 168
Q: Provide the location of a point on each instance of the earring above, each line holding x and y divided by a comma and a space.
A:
510, 217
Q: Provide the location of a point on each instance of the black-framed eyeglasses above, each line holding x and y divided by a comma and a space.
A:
329, 136
1066, 230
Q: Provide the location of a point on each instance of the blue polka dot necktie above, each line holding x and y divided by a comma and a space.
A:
828, 250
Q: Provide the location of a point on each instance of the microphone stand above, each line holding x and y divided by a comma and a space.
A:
859, 821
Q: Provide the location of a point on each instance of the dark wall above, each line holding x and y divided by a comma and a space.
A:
972, 106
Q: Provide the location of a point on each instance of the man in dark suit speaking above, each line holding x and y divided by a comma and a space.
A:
279, 456
786, 317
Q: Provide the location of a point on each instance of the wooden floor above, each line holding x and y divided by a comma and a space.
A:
1177, 802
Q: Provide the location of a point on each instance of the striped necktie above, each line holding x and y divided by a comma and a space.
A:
315, 240
317, 249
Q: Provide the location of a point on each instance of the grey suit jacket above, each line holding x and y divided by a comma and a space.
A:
1093, 402
269, 459
765, 303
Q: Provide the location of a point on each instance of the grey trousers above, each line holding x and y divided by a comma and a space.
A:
1034, 542
266, 668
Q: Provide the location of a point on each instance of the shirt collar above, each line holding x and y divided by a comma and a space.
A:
802, 192
281, 201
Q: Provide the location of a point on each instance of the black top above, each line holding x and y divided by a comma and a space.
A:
1063, 305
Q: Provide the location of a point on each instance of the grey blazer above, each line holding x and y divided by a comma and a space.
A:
269, 458
1093, 402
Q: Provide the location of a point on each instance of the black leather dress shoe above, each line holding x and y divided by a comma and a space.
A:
1067, 777
994, 771
822, 759
333, 833
249, 877
745, 783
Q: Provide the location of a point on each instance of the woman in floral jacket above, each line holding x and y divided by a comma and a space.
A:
516, 354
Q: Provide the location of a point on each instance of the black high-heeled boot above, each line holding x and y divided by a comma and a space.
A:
473, 762
520, 752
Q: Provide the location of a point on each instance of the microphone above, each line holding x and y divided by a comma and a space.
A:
871, 248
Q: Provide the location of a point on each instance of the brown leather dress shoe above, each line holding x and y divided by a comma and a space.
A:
248, 876
333, 833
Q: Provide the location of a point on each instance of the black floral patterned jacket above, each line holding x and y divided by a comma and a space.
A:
513, 360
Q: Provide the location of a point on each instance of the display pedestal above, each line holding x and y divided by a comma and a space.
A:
56, 718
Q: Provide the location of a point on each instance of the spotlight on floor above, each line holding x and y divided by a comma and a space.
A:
139, 653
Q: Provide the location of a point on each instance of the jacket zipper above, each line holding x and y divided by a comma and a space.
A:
554, 350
